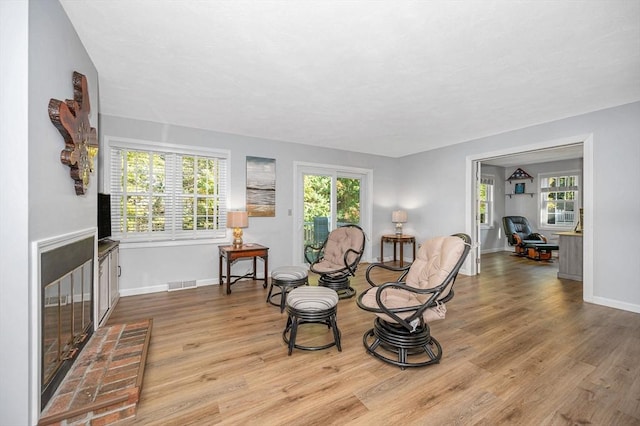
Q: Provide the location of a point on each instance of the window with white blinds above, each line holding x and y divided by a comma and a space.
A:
163, 192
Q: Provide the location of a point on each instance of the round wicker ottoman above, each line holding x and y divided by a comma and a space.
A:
286, 278
311, 304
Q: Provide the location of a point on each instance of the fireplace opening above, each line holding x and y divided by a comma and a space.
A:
66, 310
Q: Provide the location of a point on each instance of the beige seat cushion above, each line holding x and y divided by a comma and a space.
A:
339, 241
435, 260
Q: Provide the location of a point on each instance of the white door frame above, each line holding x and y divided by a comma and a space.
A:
366, 201
477, 247
587, 201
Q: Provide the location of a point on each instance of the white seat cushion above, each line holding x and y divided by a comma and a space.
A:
286, 273
312, 298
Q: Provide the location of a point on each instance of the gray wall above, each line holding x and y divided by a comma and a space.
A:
434, 182
149, 269
46, 192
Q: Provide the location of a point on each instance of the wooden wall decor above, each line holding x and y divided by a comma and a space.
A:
71, 118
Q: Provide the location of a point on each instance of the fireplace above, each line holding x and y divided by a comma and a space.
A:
66, 271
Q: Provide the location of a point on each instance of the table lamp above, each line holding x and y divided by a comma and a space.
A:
399, 217
237, 220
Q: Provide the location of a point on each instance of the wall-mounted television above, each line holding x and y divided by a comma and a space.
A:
104, 216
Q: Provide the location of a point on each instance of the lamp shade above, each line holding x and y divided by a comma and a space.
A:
399, 216
237, 219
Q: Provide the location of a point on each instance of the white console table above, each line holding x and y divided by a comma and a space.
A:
570, 255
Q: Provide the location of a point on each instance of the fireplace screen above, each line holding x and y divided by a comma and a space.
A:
67, 310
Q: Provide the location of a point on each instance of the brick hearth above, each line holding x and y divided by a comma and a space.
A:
104, 384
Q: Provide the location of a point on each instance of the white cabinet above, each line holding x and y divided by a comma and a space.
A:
108, 276
114, 275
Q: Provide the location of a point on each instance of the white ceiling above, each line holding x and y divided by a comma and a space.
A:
383, 77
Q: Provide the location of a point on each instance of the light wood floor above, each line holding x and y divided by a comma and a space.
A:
520, 347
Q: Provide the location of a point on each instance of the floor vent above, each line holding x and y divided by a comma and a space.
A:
181, 285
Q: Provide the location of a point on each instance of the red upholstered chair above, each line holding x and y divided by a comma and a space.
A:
404, 308
337, 258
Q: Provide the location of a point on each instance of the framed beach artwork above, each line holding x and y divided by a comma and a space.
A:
261, 187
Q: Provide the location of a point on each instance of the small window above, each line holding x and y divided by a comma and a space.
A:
160, 193
485, 191
559, 200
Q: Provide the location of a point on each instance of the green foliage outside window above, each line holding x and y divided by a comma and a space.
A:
317, 198
484, 218
168, 193
145, 176
485, 195
317, 203
348, 198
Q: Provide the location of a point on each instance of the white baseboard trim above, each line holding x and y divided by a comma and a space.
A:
143, 290
493, 250
208, 281
162, 287
614, 304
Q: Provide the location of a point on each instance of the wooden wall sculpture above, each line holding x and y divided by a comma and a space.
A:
71, 118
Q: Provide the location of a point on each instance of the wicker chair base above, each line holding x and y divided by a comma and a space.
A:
340, 285
280, 298
395, 345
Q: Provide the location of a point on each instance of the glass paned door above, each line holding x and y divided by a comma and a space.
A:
326, 197
317, 208
329, 201
348, 200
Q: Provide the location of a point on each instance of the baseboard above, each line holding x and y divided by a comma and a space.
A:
492, 250
614, 304
162, 287
207, 281
143, 290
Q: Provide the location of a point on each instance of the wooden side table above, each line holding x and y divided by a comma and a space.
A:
247, 251
395, 239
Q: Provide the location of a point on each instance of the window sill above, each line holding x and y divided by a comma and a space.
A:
556, 228
172, 243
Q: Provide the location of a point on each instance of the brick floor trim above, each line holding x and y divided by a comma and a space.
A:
104, 384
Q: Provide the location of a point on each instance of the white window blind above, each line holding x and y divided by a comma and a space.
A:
161, 193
